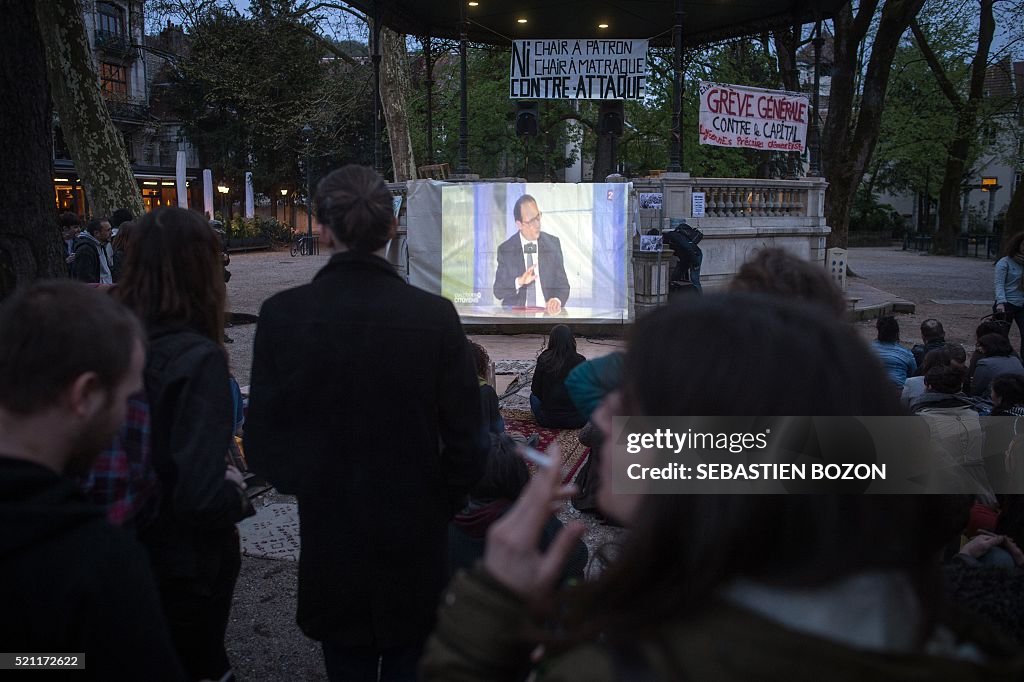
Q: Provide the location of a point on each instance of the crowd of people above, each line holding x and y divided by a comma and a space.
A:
428, 550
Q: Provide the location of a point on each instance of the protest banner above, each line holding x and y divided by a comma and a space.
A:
737, 116
578, 69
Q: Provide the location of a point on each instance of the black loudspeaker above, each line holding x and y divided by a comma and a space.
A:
611, 117
527, 119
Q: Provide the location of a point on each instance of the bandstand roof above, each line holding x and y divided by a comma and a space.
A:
496, 22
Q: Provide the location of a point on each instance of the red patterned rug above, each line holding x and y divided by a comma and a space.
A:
574, 453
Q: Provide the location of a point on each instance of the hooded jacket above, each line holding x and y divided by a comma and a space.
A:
90, 263
71, 583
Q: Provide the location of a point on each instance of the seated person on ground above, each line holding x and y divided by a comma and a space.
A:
504, 478
898, 361
488, 396
549, 399
996, 357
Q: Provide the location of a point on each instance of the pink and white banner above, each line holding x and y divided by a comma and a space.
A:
752, 118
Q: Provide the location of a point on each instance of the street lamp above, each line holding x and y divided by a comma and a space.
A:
224, 189
307, 135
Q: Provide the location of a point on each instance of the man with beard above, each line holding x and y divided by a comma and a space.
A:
70, 583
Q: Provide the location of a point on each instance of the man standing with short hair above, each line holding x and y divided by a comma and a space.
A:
69, 582
91, 264
528, 258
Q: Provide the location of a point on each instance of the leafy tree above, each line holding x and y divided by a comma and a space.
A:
916, 127
967, 109
248, 87
494, 149
860, 79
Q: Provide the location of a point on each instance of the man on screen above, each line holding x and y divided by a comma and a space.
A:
530, 258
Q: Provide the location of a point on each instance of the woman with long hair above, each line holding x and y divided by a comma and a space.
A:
995, 357
549, 399
120, 243
172, 280
722, 587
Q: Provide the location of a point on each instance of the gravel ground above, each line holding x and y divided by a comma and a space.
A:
263, 640
923, 279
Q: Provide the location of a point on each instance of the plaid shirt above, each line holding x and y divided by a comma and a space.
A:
122, 479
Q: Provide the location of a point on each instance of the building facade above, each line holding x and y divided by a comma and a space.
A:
132, 70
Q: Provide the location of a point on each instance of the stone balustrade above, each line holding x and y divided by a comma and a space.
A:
740, 217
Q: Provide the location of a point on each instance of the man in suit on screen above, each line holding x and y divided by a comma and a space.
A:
531, 269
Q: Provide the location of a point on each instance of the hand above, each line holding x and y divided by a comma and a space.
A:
235, 476
70, 259
511, 552
979, 545
554, 306
1000, 307
527, 277
1011, 547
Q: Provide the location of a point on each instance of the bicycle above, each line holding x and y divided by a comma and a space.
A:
305, 246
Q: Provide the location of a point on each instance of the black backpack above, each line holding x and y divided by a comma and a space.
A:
691, 233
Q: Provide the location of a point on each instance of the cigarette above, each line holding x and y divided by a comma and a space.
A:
535, 456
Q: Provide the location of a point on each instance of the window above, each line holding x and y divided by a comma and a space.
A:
129, 148
109, 19
114, 80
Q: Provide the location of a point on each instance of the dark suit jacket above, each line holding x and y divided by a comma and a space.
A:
364, 403
512, 263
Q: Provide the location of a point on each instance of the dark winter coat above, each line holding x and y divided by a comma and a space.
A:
192, 426
72, 583
549, 386
365, 403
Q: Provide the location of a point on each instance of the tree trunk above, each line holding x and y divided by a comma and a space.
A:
604, 157
94, 142
966, 131
394, 95
787, 42
29, 239
848, 142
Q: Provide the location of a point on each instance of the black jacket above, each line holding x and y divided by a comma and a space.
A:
549, 386
192, 426
71, 583
512, 263
920, 350
365, 403
86, 267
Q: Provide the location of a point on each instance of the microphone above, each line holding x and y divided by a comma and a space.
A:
530, 248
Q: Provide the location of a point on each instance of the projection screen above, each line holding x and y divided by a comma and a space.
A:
513, 252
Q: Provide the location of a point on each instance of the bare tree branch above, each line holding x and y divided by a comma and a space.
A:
326, 44
933, 63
